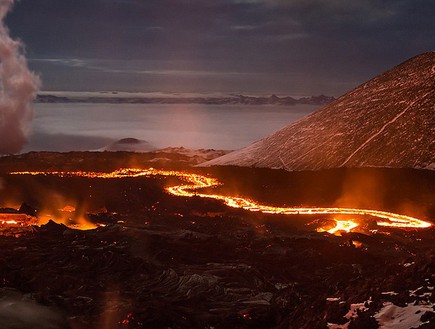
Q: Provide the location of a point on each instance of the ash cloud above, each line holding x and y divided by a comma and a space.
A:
18, 87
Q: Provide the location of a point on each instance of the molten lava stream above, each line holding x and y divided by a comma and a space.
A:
196, 182
340, 226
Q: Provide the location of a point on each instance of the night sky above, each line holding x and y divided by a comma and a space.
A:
295, 47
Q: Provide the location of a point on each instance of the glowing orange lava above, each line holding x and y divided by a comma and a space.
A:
196, 182
341, 225
68, 209
16, 220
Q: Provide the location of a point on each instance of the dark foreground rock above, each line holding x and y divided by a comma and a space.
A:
169, 262
201, 272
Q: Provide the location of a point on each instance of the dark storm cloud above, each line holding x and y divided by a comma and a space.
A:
295, 46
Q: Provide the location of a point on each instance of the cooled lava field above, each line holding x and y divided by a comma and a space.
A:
90, 252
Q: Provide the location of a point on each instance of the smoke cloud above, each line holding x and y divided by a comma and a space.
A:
18, 87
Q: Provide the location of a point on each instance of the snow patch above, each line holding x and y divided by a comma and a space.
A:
351, 314
333, 299
354, 308
389, 293
415, 293
395, 317
338, 326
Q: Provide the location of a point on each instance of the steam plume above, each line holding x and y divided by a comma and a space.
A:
18, 87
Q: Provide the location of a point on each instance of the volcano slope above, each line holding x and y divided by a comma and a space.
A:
387, 122
172, 262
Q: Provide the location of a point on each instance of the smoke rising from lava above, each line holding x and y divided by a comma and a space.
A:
18, 87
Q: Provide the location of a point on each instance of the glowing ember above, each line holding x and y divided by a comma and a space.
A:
68, 209
341, 225
196, 182
16, 220
78, 222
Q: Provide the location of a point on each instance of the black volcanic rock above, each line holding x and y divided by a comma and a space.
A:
28, 210
18, 311
169, 262
387, 122
51, 99
130, 145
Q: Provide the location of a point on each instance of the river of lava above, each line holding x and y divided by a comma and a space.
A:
196, 182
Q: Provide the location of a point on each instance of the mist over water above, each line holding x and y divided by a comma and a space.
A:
81, 126
18, 88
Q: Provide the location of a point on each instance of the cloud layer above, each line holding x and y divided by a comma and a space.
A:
295, 45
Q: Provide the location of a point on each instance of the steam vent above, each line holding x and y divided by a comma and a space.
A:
387, 122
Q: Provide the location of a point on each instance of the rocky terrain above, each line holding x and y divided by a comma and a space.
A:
170, 157
171, 262
387, 122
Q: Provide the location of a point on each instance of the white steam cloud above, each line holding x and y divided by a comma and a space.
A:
18, 87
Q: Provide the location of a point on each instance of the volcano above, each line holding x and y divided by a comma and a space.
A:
388, 121
129, 145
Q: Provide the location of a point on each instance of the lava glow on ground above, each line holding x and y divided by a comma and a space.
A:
195, 182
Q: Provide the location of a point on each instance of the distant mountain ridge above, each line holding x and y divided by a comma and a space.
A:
388, 121
212, 100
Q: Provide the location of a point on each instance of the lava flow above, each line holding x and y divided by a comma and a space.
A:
341, 225
16, 222
196, 182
